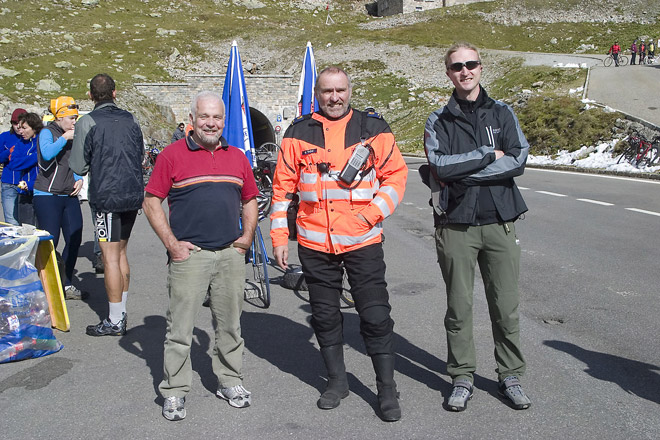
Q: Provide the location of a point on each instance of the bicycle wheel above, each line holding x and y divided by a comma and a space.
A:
265, 196
647, 157
623, 60
655, 156
628, 155
267, 151
608, 61
260, 267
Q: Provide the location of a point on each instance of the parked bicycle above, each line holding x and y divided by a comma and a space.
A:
266, 156
609, 60
259, 286
641, 152
151, 152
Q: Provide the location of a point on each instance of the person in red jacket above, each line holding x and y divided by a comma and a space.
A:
340, 221
614, 50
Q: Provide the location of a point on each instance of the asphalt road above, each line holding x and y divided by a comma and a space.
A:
589, 318
631, 89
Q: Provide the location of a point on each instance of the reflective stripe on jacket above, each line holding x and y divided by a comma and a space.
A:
327, 217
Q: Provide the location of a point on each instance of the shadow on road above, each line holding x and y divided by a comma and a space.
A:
286, 345
146, 341
638, 378
89, 282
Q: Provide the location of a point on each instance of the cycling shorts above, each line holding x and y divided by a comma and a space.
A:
114, 226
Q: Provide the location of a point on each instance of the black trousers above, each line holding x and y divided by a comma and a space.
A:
365, 268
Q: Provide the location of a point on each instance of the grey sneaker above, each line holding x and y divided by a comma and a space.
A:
173, 408
237, 396
71, 292
106, 328
511, 389
460, 395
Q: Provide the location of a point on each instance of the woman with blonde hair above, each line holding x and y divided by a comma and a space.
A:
56, 187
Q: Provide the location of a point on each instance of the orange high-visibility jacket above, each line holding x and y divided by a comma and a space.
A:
327, 217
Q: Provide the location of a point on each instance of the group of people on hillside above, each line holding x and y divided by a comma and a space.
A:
340, 171
645, 52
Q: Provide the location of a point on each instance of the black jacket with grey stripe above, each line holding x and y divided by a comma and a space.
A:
463, 157
108, 144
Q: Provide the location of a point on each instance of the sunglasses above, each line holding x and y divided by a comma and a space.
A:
471, 65
70, 107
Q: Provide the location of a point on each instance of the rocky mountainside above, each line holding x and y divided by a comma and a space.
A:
156, 47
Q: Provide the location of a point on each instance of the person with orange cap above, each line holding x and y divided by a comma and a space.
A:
11, 143
56, 187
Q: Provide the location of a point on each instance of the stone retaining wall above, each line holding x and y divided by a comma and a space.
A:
274, 96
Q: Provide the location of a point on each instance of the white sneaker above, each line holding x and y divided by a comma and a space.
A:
71, 292
237, 396
173, 408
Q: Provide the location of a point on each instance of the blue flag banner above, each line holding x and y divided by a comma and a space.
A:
306, 100
238, 125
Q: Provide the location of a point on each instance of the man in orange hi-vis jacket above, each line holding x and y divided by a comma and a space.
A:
342, 206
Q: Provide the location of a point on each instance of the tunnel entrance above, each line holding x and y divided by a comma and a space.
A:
262, 130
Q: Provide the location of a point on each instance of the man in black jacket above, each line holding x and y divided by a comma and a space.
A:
475, 148
108, 144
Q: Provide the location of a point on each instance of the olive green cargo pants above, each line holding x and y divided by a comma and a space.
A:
495, 247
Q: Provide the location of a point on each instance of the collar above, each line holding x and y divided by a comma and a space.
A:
194, 146
348, 113
102, 104
321, 117
483, 100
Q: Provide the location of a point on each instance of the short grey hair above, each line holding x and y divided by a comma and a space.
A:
203, 95
333, 69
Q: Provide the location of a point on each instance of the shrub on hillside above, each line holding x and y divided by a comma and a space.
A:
563, 123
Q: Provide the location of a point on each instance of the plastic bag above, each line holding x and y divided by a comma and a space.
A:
25, 326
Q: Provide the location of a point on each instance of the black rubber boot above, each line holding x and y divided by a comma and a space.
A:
388, 397
337, 387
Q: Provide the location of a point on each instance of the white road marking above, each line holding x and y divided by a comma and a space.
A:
602, 176
643, 211
551, 193
523, 187
596, 202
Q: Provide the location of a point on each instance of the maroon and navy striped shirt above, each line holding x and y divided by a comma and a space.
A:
204, 191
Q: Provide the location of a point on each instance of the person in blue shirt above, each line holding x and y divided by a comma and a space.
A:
56, 188
10, 141
24, 162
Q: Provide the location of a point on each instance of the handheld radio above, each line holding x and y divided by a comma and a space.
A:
355, 163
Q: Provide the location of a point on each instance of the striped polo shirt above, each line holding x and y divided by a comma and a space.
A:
204, 191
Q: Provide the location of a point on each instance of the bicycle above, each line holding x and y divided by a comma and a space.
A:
266, 156
641, 152
150, 156
623, 60
258, 257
